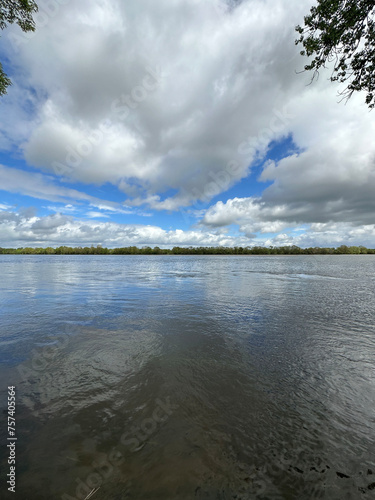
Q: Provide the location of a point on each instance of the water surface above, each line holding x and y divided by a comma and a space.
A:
190, 377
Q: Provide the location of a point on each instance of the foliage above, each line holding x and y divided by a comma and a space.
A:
256, 250
20, 12
4, 81
342, 32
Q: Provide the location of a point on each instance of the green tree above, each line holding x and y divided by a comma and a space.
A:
342, 32
20, 12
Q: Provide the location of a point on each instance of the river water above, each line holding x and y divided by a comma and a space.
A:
189, 377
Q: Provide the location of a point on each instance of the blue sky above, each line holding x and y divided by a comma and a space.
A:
182, 123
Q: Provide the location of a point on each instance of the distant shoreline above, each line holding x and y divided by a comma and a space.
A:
256, 250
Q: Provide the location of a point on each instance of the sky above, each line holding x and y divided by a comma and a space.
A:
178, 123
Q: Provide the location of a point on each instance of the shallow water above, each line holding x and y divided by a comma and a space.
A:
183, 377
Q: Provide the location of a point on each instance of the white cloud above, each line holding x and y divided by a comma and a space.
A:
331, 179
94, 215
26, 229
179, 98
38, 186
4, 206
54, 230
45, 187
152, 97
254, 215
64, 209
251, 214
115, 209
327, 235
45, 225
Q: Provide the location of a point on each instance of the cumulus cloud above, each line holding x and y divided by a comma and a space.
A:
48, 224
20, 229
251, 214
157, 97
24, 228
326, 235
171, 103
331, 180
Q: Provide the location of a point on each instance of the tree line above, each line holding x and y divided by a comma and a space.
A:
132, 250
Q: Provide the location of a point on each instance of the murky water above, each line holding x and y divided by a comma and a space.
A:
185, 377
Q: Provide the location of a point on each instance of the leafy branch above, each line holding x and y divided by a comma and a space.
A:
342, 32
20, 12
